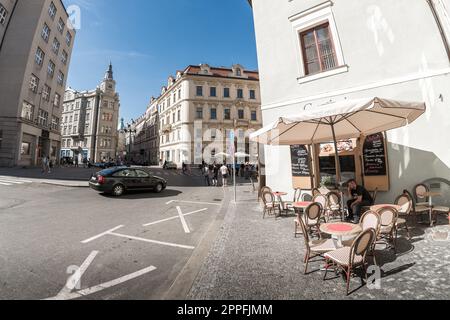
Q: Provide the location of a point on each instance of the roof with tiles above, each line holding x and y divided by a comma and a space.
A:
221, 72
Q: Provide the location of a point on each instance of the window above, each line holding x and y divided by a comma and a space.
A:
51, 69
254, 116
141, 174
226, 92
199, 91
179, 94
213, 91
56, 45
179, 115
238, 72
27, 111
3, 14
43, 118
55, 123
252, 94
39, 57
52, 10
60, 78
213, 114
240, 93
173, 118
227, 114
61, 25
46, 93
241, 114
318, 50
199, 113
57, 100
127, 173
45, 32
34, 83
64, 57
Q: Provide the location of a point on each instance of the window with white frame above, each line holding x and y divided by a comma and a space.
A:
3, 14
61, 25
34, 83
52, 10
64, 57
55, 123
56, 45
46, 93
318, 49
39, 57
57, 100
68, 38
51, 69
60, 78
45, 32
43, 118
27, 111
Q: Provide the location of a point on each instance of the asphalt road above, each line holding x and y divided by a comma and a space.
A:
42, 229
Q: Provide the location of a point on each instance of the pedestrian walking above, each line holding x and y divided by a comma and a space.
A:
216, 175
224, 172
76, 161
206, 175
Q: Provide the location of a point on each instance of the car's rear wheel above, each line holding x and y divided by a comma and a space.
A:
118, 190
159, 188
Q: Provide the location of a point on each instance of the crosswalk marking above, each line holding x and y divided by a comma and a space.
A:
6, 181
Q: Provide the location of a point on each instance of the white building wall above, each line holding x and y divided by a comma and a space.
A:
393, 49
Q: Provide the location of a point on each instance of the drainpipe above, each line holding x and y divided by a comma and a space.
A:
440, 27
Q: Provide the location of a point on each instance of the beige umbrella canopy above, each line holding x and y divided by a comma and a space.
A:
338, 121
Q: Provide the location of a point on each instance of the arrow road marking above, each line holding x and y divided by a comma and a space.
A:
103, 286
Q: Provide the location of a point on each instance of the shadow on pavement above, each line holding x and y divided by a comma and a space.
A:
133, 195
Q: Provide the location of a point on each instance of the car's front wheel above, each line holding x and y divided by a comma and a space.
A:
118, 190
159, 188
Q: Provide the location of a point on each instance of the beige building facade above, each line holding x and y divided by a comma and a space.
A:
89, 122
36, 43
201, 106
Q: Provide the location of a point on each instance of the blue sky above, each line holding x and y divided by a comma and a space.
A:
148, 40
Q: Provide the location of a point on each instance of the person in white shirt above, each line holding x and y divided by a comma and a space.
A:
224, 172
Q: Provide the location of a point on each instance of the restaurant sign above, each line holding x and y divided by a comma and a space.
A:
374, 153
300, 161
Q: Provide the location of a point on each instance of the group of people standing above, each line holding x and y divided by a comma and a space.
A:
212, 172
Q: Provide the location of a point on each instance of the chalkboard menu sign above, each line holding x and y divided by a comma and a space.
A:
374, 156
300, 161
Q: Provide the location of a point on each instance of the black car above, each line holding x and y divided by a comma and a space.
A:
118, 180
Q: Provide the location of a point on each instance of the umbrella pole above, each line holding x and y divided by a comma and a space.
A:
338, 163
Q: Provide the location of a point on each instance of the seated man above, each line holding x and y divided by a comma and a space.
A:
361, 198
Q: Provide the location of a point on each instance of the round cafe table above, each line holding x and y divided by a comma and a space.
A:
302, 205
340, 229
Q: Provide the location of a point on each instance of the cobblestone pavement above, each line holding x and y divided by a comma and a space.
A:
254, 258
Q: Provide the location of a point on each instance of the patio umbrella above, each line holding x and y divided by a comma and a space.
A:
342, 120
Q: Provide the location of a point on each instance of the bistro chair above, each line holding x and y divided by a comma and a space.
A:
416, 210
306, 197
348, 259
289, 205
320, 198
419, 193
374, 198
311, 218
388, 216
405, 202
270, 205
441, 210
315, 192
263, 190
316, 247
334, 207
369, 220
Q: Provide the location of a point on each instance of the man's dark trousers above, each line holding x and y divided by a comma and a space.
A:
355, 212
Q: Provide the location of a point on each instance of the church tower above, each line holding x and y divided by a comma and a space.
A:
108, 84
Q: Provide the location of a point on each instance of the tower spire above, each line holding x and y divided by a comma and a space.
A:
109, 74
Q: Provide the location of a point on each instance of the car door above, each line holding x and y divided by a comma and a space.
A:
144, 180
127, 177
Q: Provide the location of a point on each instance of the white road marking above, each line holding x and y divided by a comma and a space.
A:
15, 179
101, 234
153, 241
183, 221
11, 181
174, 217
73, 281
5, 184
103, 286
195, 202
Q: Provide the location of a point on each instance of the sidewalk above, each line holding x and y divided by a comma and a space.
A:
68, 177
260, 259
